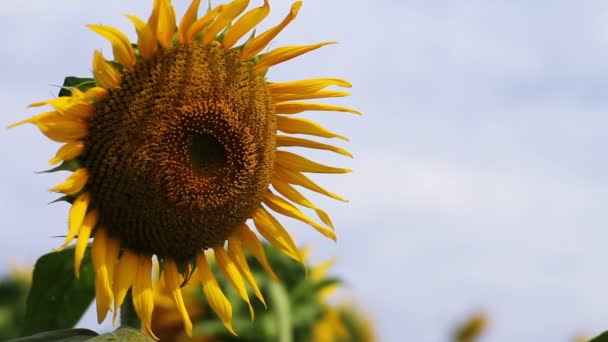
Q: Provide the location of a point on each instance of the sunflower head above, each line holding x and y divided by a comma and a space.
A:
176, 145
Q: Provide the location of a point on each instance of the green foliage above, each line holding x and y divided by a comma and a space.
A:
57, 300
601, 338
82, 83
123, 335
13, 294
65, 335
80, 335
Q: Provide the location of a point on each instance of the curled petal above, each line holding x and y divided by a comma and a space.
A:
298, 107
307, 96
286, 141
232, 10
143, 295
296, 162
68, 151
84, 233
187, 21
124, 276
96, 94
105, 74
216, 298
274, 232
166, 23
121, 46
281, 206
260, 42
77, 213
103, 288
306, 86
202, 23
285, 53
245, 24
297, 178
227, 266
295, 196
294, 125
173, 281
235, 250
254, 246
75, 182
146, 38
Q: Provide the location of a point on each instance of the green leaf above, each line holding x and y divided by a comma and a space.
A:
123, 334
57, 300
602, 338
82, 84
65, 335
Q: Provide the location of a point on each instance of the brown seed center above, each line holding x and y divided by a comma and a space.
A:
182, 152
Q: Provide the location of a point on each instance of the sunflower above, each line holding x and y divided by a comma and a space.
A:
176, 144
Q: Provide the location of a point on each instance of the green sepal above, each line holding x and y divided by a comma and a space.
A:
64, 335
57, 300
66, 165
65, 198
82, 83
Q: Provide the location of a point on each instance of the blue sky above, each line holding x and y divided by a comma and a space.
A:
480, 178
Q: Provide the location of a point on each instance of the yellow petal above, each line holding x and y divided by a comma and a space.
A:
74, 106
295, 196
84, 233
202, 23
96, 94
121, 46
297, 178
105, 74
298, 107
153, 19
143, 296
34, 119
235, 250
232, 10
260, 42
307, 96
281, 206
286, 141
187, 21
103, 288
166, 23
77, 213
68, 151
285, 53
254, 246
295, 162
124, 276
216, 298
227, 266
146, 38
75, 182
274, 232
306, 86
112, 251
173, 282
245, 24
305, 126
56, 126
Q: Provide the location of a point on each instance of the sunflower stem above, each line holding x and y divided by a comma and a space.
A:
280, 303
128, 316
